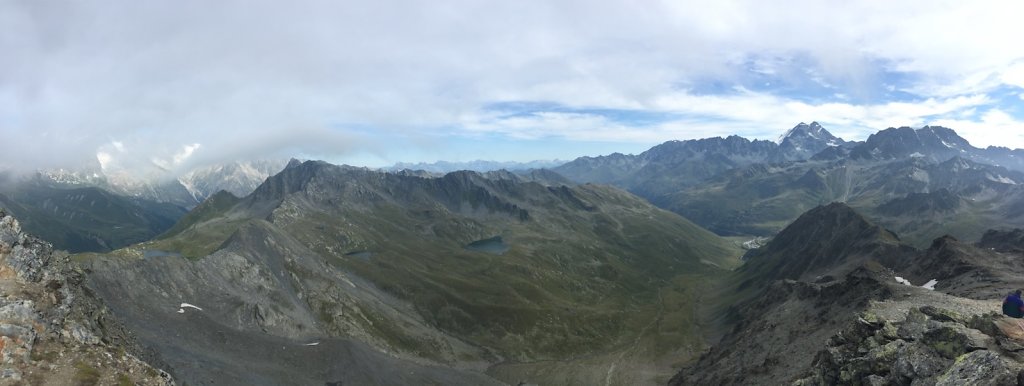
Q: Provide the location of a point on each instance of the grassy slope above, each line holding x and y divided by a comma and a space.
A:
581, 293
575, 285
575, 291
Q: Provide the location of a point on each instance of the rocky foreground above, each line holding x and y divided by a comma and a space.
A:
830, 304
53, 331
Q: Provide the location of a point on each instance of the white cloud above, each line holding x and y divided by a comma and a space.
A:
1014, 75
758, 115
186, 151
996, 128
251, 77
104, 159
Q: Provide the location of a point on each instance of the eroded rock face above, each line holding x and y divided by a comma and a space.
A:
52, 330
929, 346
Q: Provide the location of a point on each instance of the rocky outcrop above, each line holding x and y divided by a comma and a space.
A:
929, 346
52, 329
821, 241
828, 302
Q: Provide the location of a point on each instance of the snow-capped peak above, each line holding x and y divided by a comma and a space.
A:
812, 130
799, 127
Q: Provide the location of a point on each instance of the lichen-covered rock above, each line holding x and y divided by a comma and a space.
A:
930, 345
978, 368
52, 329
27, 257
917, 362
914, 326
953, 340
10, 232
82, 334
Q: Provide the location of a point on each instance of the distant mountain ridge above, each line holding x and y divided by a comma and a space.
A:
734, 186
187, 190
88, 210
87, 219
477, 165
675, 165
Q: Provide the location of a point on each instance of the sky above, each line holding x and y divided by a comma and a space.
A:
136, 85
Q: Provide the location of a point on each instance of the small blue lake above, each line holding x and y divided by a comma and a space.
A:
494, 245
151, 253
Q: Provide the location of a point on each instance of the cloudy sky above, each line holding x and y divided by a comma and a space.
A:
180, 83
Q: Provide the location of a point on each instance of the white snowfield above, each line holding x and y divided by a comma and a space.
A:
312, 344
181, 308
930, 285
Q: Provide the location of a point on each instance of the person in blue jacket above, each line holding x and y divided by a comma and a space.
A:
1013, 306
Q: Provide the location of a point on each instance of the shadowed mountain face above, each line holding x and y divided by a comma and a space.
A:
822, 303
368, 262
87, 219
823, 240
86, 210
916, 198
1003, 241
922, 183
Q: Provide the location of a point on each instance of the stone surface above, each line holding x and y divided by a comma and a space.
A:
933, 346
978, 368
53, 331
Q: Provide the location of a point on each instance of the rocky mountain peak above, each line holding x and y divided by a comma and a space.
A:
933, 142
293, 163
825, 239
805, 140
812, 130
292, 179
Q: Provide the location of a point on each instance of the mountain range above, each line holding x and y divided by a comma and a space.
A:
613, 270
467, 278
88, 210
737, 187
476, 166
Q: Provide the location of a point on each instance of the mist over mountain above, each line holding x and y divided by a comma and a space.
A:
89, 210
